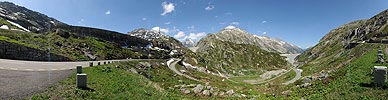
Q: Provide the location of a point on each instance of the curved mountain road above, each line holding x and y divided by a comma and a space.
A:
298, 75
291, 59
171, 64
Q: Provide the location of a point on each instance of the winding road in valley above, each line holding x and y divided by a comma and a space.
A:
171, 64
291, 59
21, 79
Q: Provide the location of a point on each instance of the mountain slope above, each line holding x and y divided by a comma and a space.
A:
234, 59
238, 36
339, 46
40, 32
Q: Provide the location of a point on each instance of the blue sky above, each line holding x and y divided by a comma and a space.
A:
300, 22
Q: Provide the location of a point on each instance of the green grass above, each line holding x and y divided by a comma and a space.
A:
107, 82
156, 82
354, 81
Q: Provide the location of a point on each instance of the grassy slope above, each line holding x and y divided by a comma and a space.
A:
156, 82
330, 52
107, 82
232, 57
69, 47
354, 81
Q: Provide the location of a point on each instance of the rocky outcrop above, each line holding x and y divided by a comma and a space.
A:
206, 90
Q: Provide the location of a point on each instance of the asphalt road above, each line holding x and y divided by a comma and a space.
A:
172, 67
290, 58
46, 66
23, 84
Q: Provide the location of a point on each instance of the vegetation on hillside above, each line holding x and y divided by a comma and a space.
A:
353, 81
73, 47
239, 59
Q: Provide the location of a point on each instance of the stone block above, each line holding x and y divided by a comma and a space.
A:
380, 75
79, 69
81, 80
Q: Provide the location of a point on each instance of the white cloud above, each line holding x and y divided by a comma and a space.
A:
107, 12
230, 27
264, 33
161, 29
143, 18
167, 23
263, 22
235, 23
196, 36
209, 7
81, 21
179, 35
167, 7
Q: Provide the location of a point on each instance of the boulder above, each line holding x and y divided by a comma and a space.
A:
202, 69
230, 92
221, 94
206, 93
198, 89
306, 85
307, 79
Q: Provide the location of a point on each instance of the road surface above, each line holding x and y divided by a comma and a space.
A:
17, 85
172, 67
291, 59
7, 64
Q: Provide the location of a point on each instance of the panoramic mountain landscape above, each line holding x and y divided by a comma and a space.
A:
169, 55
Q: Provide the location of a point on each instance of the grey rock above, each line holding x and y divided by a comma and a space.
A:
206, 93
230, 92
198, 89
202, 69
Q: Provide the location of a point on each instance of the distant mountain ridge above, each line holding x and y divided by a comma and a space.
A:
189, 43
239, 36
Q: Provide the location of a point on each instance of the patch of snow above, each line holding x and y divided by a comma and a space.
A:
19, 26
230, 27
4, 27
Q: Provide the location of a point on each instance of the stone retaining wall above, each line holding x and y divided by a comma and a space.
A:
19, 52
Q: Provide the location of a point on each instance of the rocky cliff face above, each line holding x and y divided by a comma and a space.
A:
238, 36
